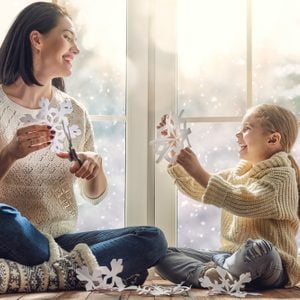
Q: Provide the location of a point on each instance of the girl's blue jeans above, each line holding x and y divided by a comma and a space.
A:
139, 247
259, 257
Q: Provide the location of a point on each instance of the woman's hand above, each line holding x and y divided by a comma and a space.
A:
91, 170
26, 140
91, 164
30, 139
189, 161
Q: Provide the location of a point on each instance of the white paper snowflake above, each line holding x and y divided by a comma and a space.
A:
175, 136
54, 116
225, 287
102, 278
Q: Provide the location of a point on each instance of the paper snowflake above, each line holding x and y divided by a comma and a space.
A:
225, 287
171, 138
102, 278
55, 117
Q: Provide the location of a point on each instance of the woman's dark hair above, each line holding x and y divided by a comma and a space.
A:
15, 51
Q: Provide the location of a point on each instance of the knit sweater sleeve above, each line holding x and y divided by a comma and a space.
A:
89, 145
187, 184
273, 196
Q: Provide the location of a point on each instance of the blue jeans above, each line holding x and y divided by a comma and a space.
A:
139, 247
259, 257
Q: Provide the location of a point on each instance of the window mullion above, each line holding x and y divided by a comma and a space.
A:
165, 102
249, 53
137, 112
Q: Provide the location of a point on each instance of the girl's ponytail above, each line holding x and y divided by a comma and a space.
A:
275, 118
296, 168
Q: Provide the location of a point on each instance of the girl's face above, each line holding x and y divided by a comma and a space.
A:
57, 51
253, 140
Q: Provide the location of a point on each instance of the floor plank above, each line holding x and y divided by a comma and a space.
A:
193, 294
78, 295
42, 296
11, 296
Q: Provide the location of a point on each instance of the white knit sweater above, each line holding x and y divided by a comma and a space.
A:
40, 185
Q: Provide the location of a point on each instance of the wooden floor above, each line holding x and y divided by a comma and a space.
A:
194, 294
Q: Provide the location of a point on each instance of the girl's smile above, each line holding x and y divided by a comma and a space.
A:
255, 143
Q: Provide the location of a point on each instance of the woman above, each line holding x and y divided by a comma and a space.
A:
36, 185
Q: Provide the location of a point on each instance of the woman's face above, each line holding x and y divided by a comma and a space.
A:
57, 51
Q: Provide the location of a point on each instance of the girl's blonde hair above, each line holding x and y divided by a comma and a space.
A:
274, 118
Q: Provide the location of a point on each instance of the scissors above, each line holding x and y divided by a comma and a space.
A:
72, 152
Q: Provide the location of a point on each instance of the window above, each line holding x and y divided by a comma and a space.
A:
211, 87
231, 55
9, 9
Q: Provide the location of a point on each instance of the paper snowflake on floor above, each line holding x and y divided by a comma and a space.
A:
225, 287
55, 117
108, 280
171, 138
102, 278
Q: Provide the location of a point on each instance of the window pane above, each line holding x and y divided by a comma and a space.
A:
110, 143
276, 56
216, 147
9, 11
100, 68
212, 57
276, 52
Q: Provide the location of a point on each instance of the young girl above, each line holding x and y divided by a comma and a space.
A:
259, 202
38, 209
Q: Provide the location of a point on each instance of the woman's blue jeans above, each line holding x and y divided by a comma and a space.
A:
259, 257
139, 247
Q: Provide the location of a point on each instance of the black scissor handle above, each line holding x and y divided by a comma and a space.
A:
74, 156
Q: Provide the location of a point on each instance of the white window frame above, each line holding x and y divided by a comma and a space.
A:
150, 193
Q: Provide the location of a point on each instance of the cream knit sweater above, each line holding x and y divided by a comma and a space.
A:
258, 202
40, 185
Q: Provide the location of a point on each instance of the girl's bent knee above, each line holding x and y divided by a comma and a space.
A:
260, 250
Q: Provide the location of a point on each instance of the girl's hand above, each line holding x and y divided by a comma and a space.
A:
30, 139
165, 133
189, 161
161, 124
91, 166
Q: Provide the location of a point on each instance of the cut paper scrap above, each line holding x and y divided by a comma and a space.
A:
103, 279
157, 290
54, 116
225, 287
171, 138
